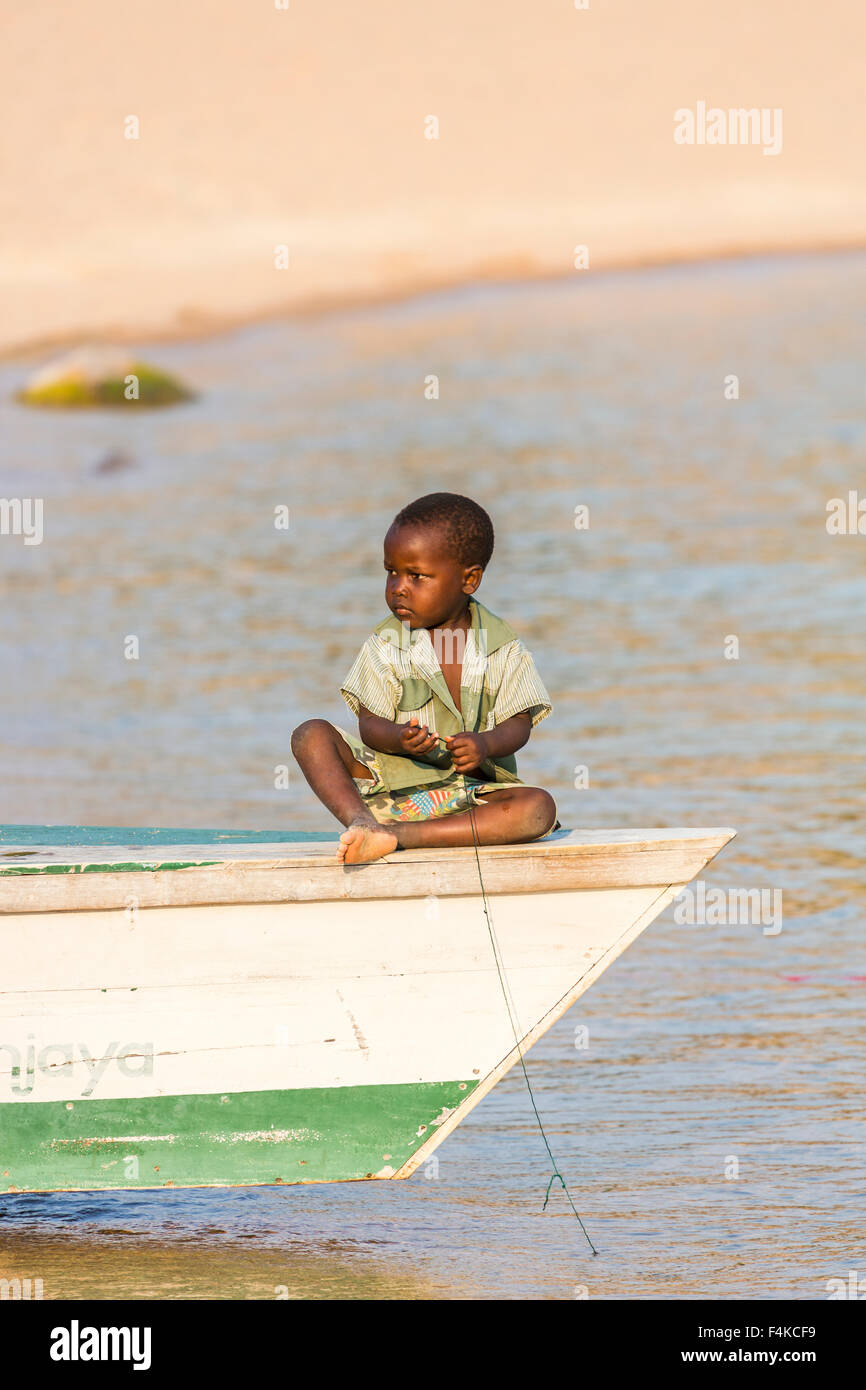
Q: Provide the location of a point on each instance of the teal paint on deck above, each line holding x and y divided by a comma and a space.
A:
328, 1134
44, 836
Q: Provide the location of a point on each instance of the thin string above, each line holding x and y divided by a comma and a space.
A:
556, 1176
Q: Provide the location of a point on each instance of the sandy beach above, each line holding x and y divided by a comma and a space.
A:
307, 128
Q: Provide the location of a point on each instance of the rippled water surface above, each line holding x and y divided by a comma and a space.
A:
707, 520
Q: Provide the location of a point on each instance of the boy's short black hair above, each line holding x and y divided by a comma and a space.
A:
467, 528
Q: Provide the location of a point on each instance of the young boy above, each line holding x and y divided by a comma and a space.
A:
445, 694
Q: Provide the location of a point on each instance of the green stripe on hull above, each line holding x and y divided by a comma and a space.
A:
333, 1134
21, 869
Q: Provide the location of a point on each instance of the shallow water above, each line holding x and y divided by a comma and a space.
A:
707, 519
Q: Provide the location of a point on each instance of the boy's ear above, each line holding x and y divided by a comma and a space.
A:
472, 578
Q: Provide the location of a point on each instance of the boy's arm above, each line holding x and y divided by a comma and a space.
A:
386, 736
521, 703
469, 750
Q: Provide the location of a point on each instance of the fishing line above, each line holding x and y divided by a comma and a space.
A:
556, 1175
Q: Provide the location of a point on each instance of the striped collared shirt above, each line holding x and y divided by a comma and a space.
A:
397, 675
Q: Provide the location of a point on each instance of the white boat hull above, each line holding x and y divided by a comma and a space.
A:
296, 1041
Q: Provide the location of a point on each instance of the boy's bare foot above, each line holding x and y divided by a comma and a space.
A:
365, 841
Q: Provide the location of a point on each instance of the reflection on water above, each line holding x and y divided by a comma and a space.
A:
104, 1249
706, 1044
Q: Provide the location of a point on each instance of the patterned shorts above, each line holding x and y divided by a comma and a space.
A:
425, 803
417, 803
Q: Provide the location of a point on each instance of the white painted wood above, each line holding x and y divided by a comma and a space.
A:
564, 861
243, 998
313, 853
201, 946
523, 1044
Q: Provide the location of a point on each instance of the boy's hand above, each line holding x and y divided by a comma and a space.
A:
416, 739
467, 750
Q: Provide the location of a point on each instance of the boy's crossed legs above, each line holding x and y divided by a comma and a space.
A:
510, 816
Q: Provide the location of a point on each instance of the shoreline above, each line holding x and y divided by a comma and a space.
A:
180, 173
188, 325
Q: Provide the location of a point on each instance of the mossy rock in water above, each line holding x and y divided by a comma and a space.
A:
94, 378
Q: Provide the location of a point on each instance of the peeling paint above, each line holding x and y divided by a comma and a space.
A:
359, 1036
274, 1136
268, 1136
443, 1115
82, 1145
33, 870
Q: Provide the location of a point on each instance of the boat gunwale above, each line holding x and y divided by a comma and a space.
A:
573, 862
278, 854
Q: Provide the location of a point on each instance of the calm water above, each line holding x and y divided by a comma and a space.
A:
707, 519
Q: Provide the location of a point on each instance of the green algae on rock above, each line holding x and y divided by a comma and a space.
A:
101, 377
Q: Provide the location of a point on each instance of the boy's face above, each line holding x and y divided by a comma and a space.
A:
426, 586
